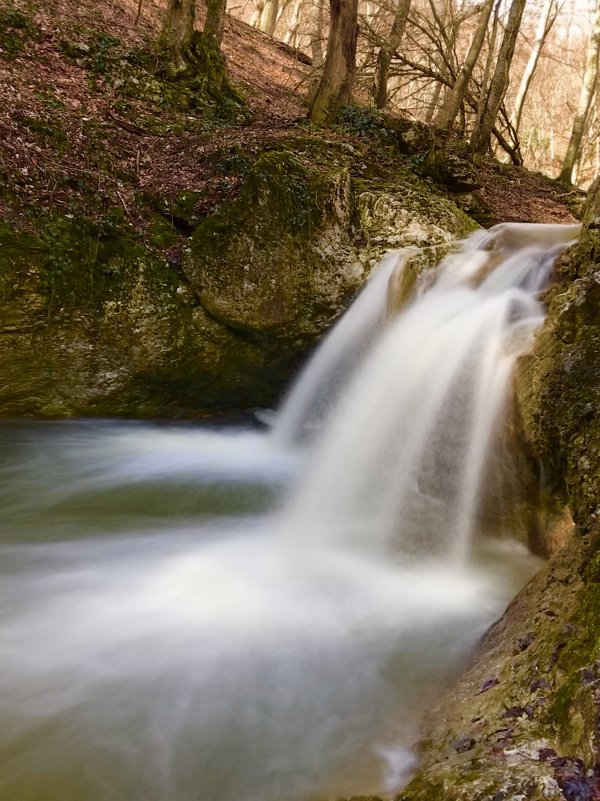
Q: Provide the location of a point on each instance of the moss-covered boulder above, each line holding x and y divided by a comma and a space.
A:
96, 319
284, 259
93, 322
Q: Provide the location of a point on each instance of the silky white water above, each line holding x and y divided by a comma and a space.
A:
209, 614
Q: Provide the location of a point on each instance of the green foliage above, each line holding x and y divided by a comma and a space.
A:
233, 161
15, 31
99, 54
365, 122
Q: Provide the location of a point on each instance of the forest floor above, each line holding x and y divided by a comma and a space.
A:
87, 124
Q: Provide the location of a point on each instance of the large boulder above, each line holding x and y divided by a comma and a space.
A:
94, 320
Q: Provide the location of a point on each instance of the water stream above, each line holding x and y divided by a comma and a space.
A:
213, 613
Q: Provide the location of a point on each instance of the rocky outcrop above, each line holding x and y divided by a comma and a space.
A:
524, 721
95, 320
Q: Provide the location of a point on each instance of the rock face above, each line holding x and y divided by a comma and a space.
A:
524, 721
95, 321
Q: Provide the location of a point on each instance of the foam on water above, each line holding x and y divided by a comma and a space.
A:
198, 614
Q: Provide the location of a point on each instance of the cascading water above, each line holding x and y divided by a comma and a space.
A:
197, 614
402, 457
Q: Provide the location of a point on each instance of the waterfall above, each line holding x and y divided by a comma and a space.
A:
405, 449
209, 613
325, 374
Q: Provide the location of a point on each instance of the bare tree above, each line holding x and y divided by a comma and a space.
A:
387, 50
268, 17
293, 26
177, 36
335, 87
456, 96
546, 20
317, 33
191, 54
588, 87
481, 137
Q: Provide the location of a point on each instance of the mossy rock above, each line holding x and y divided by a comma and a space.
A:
284, 259
93, 322
524, 720
96, 319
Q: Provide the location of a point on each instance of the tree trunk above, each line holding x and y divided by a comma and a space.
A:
456, 96
197, 56
268, 17
588, 87
291, 34
545, 23
177, 34
482, 134
316, 35
214, 25
386, 53
256, 13
335, 88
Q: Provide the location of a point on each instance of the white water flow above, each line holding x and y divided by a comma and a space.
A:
214, 613
324, 375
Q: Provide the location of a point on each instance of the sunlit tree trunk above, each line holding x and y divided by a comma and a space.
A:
256, 13
335, 88
268, 17
456, 95
317, 33
545, 23
588, 87
291, 34
480, 140
386, 53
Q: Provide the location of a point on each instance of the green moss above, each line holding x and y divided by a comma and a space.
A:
47, 132
294, 195
16, 29
99, 52
161, 234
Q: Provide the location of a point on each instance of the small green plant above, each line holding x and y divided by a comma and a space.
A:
365, 122
15, 30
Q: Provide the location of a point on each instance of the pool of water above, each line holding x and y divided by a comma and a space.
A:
163, 637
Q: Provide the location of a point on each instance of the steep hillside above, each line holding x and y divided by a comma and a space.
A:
107, 171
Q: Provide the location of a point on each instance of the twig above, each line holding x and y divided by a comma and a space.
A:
122, 199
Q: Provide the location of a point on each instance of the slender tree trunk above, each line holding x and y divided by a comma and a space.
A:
545, 23
316, 34
335, 88
482, 134
433, 103
257, 12
386, 53
588, 87
268, 17
456, 96
291, 34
